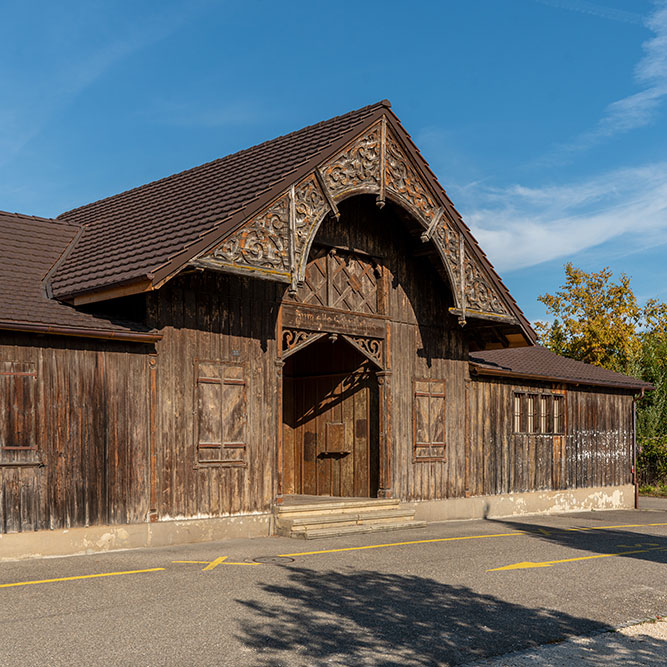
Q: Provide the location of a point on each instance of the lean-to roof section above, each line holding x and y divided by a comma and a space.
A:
538, 363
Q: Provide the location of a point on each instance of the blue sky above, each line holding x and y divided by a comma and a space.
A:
545, 120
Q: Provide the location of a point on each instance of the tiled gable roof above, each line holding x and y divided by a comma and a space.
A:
538, 362
133, 235
29, 247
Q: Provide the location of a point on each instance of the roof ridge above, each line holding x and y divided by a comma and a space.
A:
63, 216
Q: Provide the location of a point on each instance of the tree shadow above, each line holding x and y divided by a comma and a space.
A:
367, 617
624, 543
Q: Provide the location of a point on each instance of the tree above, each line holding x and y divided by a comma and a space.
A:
600, 321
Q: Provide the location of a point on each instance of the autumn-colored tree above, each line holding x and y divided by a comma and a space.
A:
599, 321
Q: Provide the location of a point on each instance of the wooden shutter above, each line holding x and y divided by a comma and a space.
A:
18, 414
221, 413
428, 420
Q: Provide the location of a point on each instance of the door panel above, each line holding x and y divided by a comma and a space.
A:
333, 436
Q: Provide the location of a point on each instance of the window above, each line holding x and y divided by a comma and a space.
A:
18, 440
429, 420
559, 415
533, 414
221, 418
539, 413
518, 413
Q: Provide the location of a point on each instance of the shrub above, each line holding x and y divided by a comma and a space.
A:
652, 461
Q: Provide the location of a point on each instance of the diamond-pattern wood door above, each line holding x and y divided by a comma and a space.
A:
341, 279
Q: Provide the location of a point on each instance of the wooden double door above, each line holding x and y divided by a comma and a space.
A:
330, 432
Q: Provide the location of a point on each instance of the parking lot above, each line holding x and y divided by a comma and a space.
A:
446, 594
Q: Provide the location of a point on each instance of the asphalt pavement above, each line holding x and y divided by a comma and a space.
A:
451, 593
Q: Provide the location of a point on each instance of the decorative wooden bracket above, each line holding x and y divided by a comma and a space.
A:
371, 348
327, 194
428, 233
296, 339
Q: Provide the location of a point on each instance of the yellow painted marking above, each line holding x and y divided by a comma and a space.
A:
548, 563
400, 544
221, 561
638, 544
81, 576
229, 562
214, 563
467, 537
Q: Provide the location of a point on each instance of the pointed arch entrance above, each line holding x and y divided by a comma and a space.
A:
330, 420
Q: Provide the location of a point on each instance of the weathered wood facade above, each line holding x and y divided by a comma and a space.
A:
594, 449
316, 349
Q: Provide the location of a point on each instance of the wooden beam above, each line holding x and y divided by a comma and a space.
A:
381, 198
327, 194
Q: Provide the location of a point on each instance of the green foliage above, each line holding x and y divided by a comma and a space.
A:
599, 321
652, 461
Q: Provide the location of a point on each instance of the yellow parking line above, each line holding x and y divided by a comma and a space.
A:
214, 563
467, 537
81, 576
549, 563
400, 544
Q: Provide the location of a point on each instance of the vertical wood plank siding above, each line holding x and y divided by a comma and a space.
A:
215, 317
91, 432
598, 440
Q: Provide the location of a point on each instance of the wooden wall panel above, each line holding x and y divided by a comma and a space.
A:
91, 433
596, 450
217, 317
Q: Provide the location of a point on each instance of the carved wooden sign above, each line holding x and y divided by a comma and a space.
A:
275, 244
311, 318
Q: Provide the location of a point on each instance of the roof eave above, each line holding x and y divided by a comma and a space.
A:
479, 369
81, 332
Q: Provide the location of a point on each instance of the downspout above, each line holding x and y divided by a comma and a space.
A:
635, 479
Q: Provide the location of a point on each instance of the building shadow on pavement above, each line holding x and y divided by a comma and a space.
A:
626, 543
353, 617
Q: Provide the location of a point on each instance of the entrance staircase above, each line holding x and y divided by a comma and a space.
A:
311, 517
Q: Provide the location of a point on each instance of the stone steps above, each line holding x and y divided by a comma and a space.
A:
342, 517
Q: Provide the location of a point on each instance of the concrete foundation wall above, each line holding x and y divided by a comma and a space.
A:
95, 539
534, 502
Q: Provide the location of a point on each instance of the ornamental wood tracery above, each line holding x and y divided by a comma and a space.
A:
276, 243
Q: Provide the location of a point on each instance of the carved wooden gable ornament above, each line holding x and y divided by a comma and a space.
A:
275, 243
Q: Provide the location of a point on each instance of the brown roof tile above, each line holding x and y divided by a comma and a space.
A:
29, 247
538, 362
132, 235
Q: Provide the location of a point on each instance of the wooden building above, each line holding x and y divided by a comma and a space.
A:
308, 317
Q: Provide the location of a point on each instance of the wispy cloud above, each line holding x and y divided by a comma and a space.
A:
594, 9
520, 226
636, 110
